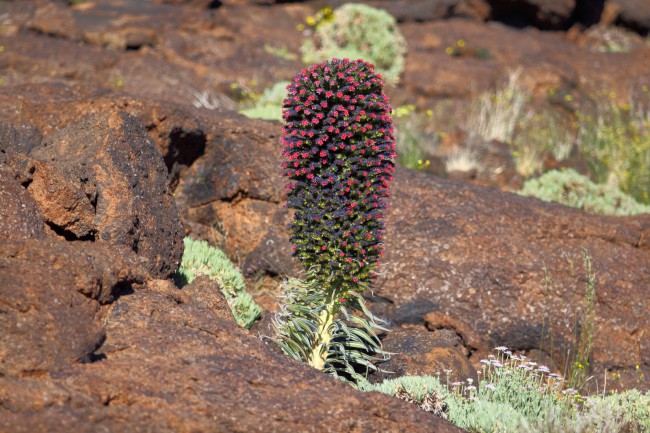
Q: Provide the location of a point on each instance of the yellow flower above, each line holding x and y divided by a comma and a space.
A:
311, 21
460, 43
449, 50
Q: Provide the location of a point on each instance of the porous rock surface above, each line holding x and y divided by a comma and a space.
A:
417, 351
164, 360
19, 214
50, 293
119, 188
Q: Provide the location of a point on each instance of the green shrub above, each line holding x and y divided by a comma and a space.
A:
358, 31
515, 395
269, 104
497, 113
616, 143
200, 258
415, 141
573, 189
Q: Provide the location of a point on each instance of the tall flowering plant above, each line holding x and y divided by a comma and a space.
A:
338, 149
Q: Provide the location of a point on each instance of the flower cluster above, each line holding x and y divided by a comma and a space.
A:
338, 148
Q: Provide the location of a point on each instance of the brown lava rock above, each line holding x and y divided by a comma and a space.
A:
20, 217
418, 352
118, 183
50, 293
174, 360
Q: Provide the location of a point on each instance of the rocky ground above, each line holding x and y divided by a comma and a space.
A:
107, 160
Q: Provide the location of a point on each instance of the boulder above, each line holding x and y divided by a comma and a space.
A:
234, 186
548, 61
50, 294
417, 351
117, 188
20, 217
511, 270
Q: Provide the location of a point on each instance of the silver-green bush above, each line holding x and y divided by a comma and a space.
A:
358, 31
516, 395
573, 189
200, 258
269, 105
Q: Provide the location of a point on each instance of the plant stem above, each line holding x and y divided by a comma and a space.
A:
319, 351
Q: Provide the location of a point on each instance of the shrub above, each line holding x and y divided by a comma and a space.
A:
496, 115
338, 149
359, 31
573, 189
199, 258
516, 395
616, 142
269, 104
415, 142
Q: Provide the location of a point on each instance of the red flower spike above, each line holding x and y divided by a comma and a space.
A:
353, 142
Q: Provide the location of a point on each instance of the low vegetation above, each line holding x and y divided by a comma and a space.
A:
267, 106
517, 395
612, 139
573, 189
358, 31
199, 258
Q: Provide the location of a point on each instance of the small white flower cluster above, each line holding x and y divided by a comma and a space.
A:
506, 371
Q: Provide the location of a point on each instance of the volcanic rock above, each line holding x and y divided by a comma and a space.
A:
50, 292
20, 217
174, 360
120, 183
417, 351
